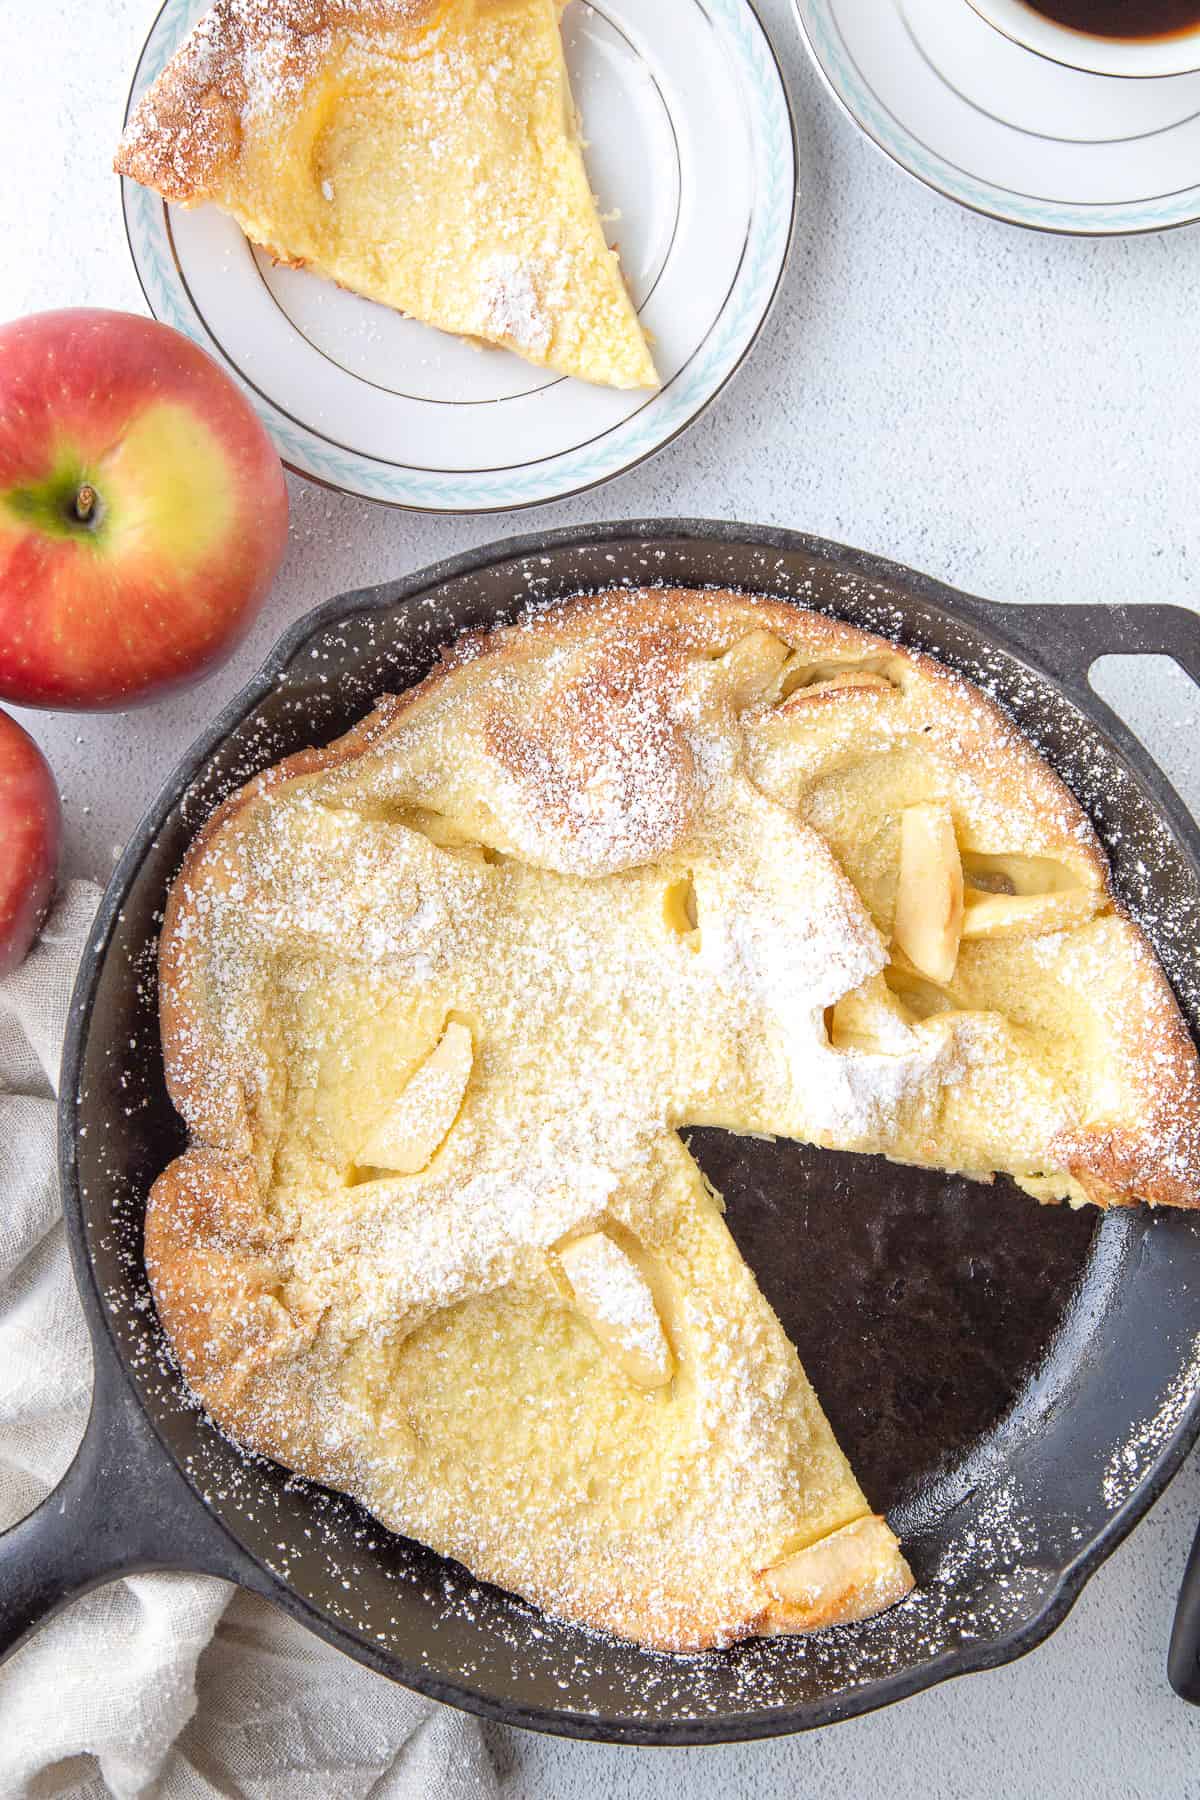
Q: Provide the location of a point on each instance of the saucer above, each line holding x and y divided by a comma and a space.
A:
1004, 131
691, 149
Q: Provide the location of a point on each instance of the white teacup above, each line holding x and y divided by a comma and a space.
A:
1178, 55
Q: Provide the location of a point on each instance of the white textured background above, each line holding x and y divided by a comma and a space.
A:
1016, 414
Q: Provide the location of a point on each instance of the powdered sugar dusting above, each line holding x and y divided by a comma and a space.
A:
512, 305
1133, 1459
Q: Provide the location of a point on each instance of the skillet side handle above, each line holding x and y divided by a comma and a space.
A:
1069, 639
121, 1508
1183, 1658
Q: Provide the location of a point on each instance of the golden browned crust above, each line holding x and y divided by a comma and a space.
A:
215, 1273
852, 1574
186, 130
255, 1343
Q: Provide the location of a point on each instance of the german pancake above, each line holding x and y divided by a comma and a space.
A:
437, 1002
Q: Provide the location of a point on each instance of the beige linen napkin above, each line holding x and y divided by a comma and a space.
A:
157, 1685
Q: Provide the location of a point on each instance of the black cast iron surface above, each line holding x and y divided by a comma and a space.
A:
1015, 1384
956, 1295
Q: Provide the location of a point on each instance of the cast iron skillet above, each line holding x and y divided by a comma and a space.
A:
1015, 1384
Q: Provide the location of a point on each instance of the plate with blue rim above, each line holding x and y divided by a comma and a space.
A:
1004, 130
691, 148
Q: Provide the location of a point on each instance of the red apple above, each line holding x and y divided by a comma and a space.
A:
30, 839
143, 510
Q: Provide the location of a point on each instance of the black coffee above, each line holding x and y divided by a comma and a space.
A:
1122, 18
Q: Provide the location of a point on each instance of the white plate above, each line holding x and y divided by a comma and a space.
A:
690, 139
1003, 130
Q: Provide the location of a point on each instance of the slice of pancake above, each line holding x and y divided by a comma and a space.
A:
438, 1001
423, 153
516, 1427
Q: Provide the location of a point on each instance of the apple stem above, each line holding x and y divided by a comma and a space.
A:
85, 503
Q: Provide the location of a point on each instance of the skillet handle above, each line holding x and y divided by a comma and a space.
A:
121, 1508
1183, 1658
1069, 639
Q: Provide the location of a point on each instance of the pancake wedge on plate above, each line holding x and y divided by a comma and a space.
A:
438, 1001
423, 153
